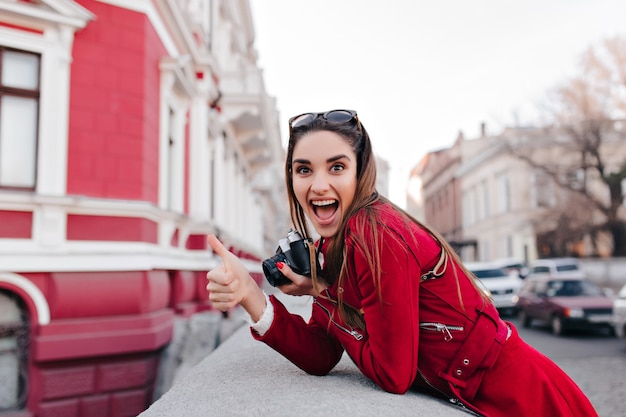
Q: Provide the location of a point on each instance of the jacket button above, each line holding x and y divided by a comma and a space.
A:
459, 372
466, 361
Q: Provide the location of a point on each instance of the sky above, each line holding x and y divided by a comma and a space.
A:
420, 71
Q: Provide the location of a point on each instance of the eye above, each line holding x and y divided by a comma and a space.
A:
302, 170
337, 167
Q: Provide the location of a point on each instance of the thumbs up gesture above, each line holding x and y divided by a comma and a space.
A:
230, 283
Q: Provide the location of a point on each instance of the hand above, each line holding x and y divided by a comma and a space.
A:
230, 283
300, 285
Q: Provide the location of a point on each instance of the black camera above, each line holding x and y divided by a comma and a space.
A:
292, 250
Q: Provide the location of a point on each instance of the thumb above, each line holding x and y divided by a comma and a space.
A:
217, 247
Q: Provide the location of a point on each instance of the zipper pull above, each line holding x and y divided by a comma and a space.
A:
356, 335
447, 335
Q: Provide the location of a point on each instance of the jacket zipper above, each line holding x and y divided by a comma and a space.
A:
451, 400
353, 333
446, 329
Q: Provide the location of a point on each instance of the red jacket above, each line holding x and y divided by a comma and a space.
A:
422, 335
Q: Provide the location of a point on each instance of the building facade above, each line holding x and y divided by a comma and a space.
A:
433, 193
506, 204
497, 213
129, 131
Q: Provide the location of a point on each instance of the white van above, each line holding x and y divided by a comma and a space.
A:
501, 285
513, 265
557, 267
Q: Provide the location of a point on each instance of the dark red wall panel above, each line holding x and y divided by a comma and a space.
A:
70, 339
16, 224
98, 294
111, 228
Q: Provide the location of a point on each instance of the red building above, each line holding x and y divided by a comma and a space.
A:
129, 130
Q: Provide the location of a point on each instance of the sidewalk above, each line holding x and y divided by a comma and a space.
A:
244, 377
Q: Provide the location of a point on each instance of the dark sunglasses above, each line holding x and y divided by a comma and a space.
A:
334, 116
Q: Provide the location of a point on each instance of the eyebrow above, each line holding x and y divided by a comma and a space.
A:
329, 160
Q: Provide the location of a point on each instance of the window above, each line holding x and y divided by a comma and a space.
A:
466, 208
567, 267
575, 179
504, 194
19, 107
13, 348
171, 159
507, 245
490, 273
542, 190
485, 251
174, 129
485, 199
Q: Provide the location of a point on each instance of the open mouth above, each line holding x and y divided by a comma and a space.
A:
325, 209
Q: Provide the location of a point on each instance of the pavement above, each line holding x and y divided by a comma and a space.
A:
602, 379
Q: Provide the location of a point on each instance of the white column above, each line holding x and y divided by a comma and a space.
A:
220, 183
210, 153
198, 162
230, 190
240, 223
54, 113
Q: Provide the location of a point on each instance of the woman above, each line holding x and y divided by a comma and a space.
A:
389, 291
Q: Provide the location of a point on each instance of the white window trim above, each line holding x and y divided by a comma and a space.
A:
54, 45
36, 296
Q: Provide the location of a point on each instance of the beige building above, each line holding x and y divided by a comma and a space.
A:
495, 201
434, 194
491, 202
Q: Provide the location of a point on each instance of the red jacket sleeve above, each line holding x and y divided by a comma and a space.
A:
308, 346
388, 355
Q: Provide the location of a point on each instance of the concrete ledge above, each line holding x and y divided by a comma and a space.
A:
243, 377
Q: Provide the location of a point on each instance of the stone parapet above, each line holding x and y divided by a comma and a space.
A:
243, 377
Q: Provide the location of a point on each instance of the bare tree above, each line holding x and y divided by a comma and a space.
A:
588, 129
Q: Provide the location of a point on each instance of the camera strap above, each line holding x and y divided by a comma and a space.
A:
312, 260
439, 269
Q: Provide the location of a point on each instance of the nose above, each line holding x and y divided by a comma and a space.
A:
320, 184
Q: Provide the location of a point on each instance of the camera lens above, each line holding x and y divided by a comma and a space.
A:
272, 273
270, 269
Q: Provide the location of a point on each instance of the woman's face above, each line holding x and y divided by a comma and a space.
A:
324, 178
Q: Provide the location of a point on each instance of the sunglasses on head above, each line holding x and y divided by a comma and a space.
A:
334, 116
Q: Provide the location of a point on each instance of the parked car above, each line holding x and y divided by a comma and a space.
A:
619, 314
501, 285
557, 267
565, 303
513, 265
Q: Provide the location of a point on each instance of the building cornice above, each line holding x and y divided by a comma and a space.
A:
58, 12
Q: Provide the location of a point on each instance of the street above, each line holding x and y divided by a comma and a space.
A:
596, 361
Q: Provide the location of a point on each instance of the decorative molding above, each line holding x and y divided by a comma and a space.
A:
36, 296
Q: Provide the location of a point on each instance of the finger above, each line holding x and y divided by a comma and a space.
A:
294, 277
220, 277
217, 246
219, 249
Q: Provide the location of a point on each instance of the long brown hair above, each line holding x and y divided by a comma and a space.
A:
365, 199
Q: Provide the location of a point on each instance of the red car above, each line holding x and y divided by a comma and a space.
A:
565, 303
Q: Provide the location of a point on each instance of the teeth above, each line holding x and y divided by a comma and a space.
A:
320, 203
